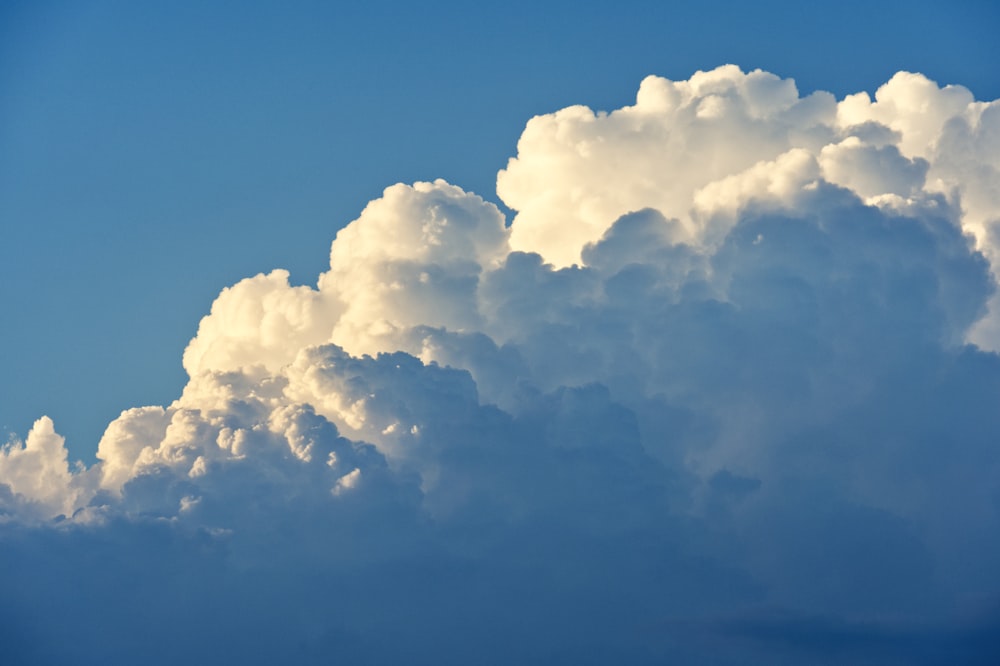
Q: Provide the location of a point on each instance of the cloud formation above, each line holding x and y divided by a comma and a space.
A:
711, 395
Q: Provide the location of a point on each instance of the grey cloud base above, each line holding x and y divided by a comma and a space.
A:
746, 426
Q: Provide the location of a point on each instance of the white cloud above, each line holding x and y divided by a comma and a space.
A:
911, 104
576, 172
751, 389
37, 472
872, 170
260, 321
413, 257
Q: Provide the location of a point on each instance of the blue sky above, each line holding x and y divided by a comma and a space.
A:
150, 155
432, 333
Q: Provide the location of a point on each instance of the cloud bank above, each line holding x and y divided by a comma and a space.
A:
721, 390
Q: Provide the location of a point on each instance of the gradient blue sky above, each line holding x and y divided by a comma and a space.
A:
152, 153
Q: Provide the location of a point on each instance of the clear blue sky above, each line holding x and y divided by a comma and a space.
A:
153, 153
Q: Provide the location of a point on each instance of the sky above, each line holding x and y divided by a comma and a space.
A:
535, 333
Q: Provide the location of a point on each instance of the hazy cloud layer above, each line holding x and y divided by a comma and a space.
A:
709, 397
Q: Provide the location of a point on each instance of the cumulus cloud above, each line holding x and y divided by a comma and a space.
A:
38, 479
710, 395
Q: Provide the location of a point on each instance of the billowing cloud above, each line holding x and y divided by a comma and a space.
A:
710, 396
